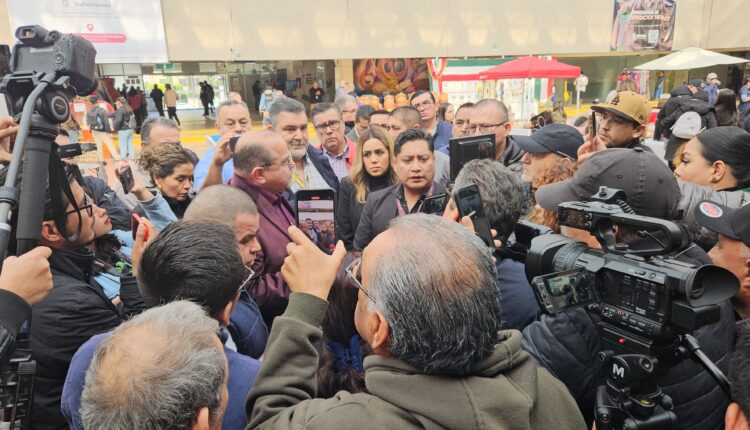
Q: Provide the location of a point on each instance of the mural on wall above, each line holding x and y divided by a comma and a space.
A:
374, 76
643, 25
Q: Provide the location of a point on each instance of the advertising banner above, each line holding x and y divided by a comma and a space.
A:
374, 76
643, 25
123, 31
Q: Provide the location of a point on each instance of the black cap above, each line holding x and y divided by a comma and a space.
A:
649, 185
729, 222
561, 139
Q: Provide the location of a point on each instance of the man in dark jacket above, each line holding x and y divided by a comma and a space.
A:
414, 164
75, 309
567, 343
491, 116
157, 96
438, 360
503, 198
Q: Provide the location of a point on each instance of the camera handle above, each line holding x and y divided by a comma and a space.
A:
35, 136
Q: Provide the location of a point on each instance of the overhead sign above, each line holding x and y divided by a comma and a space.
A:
123, 31
643, 25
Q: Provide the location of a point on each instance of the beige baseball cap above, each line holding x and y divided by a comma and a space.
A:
628, 105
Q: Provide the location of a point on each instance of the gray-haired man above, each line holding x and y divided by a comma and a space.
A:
165, 368
439, 360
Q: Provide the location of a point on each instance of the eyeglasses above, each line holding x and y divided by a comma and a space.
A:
334, 125
287, 162
247, 280
87, 205
423, 105
357, 278
483, 128
616, 120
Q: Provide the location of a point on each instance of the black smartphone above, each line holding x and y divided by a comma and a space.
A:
592, 125
525, 231
434, 205
469, 203
126, 179
315, 215
558, 292
233, 142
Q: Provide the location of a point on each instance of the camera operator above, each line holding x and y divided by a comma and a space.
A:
76, 307
502, 196
24, 281
736, 417
731, 252
567, 343
433, 332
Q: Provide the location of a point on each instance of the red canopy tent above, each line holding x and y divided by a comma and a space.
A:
530, 67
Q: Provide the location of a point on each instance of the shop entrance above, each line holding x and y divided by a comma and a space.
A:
188, 89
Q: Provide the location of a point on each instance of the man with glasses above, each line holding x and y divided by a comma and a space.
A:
440, 130
621, 124
337, 148
189, 260
311, 168
491, 116
76, 307
263, 169
429, 308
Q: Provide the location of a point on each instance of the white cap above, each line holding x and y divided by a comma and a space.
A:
688, 125
712, 75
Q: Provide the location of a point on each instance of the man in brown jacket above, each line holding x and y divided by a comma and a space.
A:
432, 323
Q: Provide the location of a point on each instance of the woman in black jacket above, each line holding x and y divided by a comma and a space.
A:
171, 169
371, 172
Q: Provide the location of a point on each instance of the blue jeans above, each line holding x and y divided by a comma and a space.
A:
126, 144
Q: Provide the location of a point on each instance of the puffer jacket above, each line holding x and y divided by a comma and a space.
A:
692, 195
668, 109
567, 344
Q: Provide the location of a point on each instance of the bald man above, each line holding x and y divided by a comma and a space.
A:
263, 169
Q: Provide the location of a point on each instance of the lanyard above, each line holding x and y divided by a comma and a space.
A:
403, 208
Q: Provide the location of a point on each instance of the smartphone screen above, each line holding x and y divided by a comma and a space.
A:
315, 216
469, 203
435, 204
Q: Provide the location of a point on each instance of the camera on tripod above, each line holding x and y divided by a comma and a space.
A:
647, 302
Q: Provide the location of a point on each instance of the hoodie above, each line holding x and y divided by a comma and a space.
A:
506, 390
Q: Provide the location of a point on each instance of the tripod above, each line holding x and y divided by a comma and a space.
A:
631, 398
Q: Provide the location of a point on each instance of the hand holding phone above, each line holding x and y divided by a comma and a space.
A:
125, 175
469, 204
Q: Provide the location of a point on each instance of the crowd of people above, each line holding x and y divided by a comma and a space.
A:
387, 317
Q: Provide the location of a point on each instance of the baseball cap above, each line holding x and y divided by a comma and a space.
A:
561, 139
729, 222
628, 105
687, 126
649, 185
697, 83
713, 75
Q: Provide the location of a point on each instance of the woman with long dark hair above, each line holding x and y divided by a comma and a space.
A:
726, 108
370, 172
718, 158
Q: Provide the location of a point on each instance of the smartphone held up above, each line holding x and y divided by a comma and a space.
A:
315, 211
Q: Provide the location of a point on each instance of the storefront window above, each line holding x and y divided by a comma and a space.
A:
188, 88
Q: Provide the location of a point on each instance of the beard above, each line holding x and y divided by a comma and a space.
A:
298, 152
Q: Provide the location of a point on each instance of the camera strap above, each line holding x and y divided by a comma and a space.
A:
59, 185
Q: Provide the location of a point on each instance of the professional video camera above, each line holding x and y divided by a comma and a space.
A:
648, 302
48, 70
